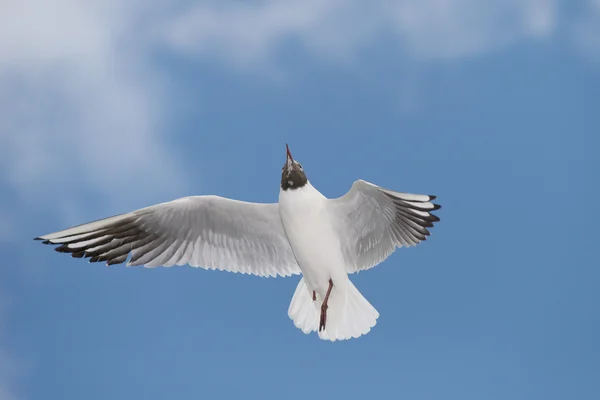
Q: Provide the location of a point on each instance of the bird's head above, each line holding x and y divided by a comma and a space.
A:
292, 173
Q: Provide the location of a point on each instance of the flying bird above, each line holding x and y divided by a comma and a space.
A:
305, 233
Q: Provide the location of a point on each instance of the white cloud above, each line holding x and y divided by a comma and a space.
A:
81, 116
81, 104
81, 99
449, 29
247, 33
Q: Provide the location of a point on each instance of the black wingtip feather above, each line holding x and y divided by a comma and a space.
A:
436, 207
64, 249
432, 197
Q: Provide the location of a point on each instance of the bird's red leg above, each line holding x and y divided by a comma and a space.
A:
324, 307
314, 296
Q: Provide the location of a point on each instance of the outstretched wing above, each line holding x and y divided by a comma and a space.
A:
372, 222
210, 232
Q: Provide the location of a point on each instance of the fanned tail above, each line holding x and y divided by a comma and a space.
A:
349, 314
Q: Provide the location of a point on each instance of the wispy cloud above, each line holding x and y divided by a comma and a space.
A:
81, 117
82, 100
247, 33
81, 104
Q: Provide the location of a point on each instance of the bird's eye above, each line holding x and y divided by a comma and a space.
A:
300, 165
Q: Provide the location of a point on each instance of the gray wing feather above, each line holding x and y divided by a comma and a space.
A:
210, 232
372, 222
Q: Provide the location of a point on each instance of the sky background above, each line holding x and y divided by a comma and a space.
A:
110, 106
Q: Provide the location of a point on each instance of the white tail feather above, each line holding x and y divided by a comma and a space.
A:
349, 315
303, 311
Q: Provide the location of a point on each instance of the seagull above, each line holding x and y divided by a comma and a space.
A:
305, 233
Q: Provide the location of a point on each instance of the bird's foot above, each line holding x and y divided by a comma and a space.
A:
324, 307
323, 320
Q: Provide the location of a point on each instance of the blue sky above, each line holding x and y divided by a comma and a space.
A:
111, 106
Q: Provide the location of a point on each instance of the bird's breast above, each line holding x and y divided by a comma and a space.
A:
313, 240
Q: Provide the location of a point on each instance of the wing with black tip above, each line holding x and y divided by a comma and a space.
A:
210, 232
372, 222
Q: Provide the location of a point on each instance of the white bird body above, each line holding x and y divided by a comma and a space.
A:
316, 246
306, 233
308, 223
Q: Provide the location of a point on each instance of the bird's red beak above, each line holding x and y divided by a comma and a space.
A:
289, 155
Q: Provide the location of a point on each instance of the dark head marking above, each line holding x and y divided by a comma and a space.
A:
292, 173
